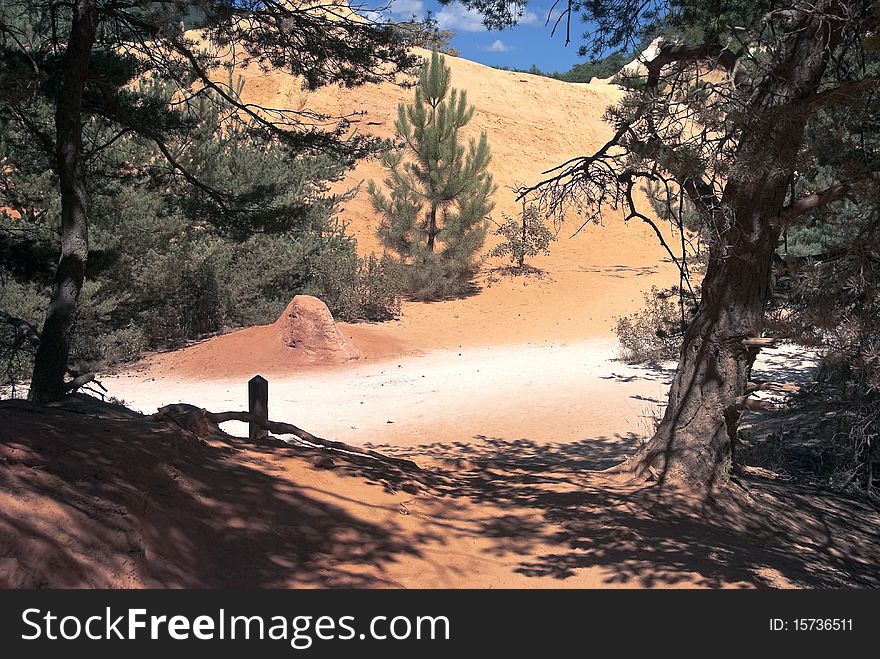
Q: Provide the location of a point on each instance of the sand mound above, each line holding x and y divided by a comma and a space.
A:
264, 350
307, 325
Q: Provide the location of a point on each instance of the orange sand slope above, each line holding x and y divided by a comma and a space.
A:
532, 123
262, 349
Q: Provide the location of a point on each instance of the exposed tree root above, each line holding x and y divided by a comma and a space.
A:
657, 463
25, 332
652, 462
204, 424
637, 467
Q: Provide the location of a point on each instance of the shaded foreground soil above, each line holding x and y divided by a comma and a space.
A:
97, 495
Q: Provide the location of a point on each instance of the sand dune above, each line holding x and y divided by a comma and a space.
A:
527, 356
532, 123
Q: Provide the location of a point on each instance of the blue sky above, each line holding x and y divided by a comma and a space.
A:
518, 47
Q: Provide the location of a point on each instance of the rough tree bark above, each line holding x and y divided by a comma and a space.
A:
50, 363
694, 442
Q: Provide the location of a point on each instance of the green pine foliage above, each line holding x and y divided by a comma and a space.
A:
194, 209
434, 213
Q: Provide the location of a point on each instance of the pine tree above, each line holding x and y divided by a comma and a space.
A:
721, 112
434, 217
167, 263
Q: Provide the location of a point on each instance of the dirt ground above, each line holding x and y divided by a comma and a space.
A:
509, 400
96, 495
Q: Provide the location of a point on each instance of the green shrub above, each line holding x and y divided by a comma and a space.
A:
123, 345
654, 333
355, 288
522, 237
378, 288
169, 263
25, 300
437, 278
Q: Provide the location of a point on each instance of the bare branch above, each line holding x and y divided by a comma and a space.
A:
178, 413
565, 13
630, 178
581, 164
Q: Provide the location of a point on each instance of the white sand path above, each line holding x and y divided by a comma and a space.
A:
544, 393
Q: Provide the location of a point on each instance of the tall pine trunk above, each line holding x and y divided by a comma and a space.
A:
432, 226
694, 442
50, 364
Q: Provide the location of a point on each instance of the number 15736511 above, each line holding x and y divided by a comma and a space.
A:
812, 624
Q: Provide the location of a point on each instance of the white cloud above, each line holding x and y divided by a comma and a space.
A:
406, 8
530, 18
497, 46
398, 9
455, 17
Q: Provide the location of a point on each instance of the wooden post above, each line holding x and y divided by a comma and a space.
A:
258, 405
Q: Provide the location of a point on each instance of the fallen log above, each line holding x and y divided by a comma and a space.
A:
760, 342
81, 381
192, 418
781, 387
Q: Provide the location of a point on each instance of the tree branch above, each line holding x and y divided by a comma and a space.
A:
630, 178
827, 196
180, 414
670, 53
844, 93
80, 381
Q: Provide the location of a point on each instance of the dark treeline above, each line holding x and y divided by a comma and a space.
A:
605, 67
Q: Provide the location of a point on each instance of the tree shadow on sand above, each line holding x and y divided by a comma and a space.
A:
653, 372
643, 535
100, 495
94, 494
514, 273
620, 271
